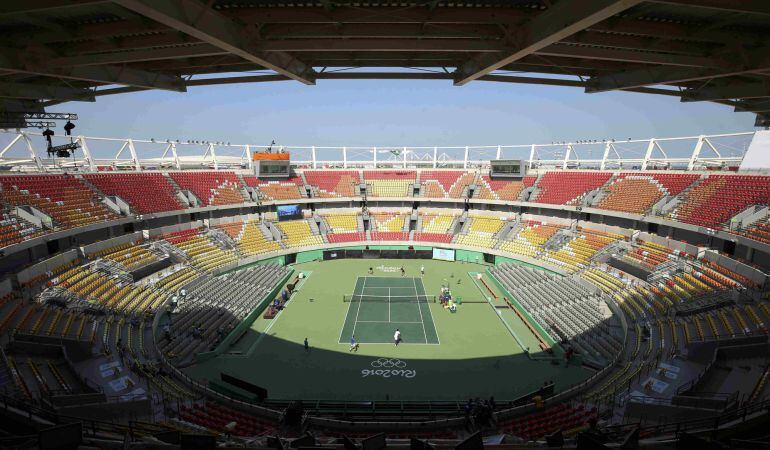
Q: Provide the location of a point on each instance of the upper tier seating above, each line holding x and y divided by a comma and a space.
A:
631, 194
504, 189
389, 183
212, 188
297, 233
65, 198
637, 192
719, 197
288, 189
562, 188
145, 192
334, 183
673, 183
439, 183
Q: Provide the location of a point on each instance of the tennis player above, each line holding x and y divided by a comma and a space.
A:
397, 336
353, 344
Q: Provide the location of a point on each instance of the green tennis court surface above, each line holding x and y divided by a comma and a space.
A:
477, 355
380, 305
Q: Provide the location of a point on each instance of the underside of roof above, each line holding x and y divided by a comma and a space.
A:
54, 51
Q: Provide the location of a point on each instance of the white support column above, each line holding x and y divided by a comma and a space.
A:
695, 153
87, 158
374, 153
648, 154
32, 152
531, 155
176, 157
603, 165
345, 157
435, 157
132, 151
214, 156
312, 155
499, 152
404, 156
567, 155
249, 160
11, 144
465, 159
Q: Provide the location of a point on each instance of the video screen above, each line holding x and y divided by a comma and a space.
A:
443, 254
289, 212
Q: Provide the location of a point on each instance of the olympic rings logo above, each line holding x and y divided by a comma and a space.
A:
388, 368
388, 363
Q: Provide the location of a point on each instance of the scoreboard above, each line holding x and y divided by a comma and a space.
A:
507, 168
271, 164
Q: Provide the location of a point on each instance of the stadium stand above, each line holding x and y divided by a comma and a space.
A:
297, 233
254, 242
333, 183
439, 183
288, 189
14, 230
146, 193
215, 306
211, 188
706, 205
389, 183
65, 198
568, 188
503, 189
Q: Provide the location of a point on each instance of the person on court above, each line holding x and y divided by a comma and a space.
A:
422, 270
397, 336
353, 344
307, 346
403, 272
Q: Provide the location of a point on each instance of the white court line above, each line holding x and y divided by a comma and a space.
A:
363, 289
419, 308
388, 305
386, 343
380, 321
342, 328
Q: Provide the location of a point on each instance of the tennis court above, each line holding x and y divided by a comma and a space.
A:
379, 305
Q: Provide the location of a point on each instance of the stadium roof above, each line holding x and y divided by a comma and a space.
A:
52, 51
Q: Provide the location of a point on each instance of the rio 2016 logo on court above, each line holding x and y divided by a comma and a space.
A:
387, 368
384, 268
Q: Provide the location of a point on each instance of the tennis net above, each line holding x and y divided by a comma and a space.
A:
360, 298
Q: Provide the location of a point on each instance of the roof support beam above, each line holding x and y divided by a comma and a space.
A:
748, 90
38, 91
742, 6
10, 61
566, 18
751, 62
607, 54
201, 22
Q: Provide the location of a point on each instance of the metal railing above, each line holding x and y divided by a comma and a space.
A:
687, 152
